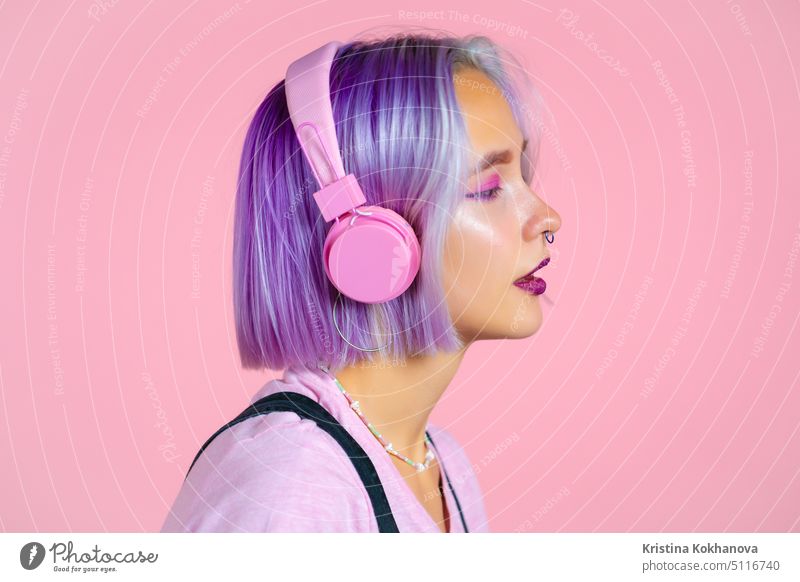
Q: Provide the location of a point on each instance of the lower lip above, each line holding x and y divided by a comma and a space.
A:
533, 285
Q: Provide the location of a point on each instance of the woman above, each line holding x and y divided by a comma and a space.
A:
432, 128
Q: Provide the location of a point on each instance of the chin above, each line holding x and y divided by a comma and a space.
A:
524, 329
513, 320
525, 325
510, 329
526, 318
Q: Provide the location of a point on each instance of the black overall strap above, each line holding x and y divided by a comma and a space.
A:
450, 485
305, 407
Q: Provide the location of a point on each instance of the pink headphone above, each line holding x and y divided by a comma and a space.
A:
371, 253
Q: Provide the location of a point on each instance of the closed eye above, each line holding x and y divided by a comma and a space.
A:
491, 189
488, 190
490, 194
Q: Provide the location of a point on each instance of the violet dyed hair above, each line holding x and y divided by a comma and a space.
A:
401, 133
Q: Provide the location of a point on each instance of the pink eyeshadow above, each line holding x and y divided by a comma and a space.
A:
492, 182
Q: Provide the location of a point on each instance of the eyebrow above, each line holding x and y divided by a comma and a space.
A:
498, 157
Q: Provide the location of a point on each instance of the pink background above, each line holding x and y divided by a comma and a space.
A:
660, 394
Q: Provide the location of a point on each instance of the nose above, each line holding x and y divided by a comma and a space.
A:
542, 217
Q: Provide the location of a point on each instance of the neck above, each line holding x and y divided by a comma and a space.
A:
399, 398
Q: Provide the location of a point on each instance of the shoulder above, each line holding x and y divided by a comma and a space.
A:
463, 476
275, 472
449, 447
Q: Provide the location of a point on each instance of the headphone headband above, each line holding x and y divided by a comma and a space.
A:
308, 99
371, 253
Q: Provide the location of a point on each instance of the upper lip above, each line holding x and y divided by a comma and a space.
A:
536, 268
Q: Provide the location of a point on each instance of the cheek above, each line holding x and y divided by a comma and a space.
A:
481, 254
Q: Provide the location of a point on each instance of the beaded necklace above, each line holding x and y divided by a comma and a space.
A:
429, 456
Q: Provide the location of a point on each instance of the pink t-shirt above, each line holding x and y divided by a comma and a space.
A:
280, 473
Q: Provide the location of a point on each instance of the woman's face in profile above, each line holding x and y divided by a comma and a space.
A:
497, 233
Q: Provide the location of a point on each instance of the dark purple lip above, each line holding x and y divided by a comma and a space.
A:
539, 266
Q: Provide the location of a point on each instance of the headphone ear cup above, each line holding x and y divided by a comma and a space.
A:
371, 258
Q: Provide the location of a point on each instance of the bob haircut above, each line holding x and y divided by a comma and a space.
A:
401, 133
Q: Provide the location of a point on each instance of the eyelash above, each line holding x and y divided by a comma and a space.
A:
492, 193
